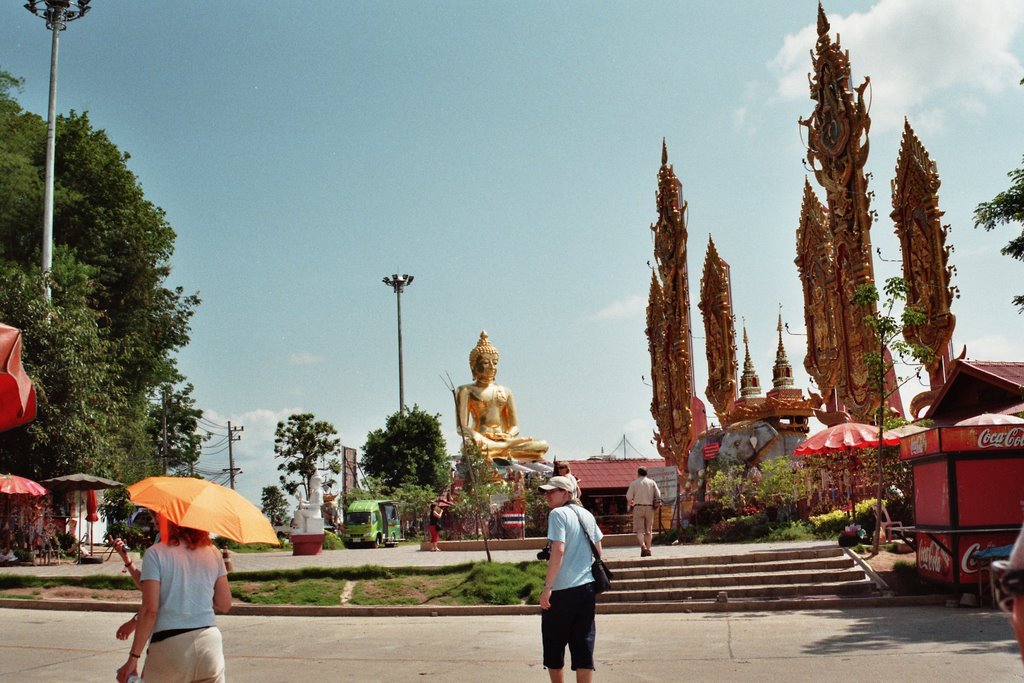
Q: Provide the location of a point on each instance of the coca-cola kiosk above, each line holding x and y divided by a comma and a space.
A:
968, 491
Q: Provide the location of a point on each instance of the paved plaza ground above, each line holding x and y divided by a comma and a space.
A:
864, 644
888, 644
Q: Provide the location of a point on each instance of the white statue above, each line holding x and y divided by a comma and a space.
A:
308, 516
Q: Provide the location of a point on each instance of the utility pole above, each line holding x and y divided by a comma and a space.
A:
399, 283
163, 430
57, 14
231, 453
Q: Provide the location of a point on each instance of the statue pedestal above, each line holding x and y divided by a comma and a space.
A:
307, 544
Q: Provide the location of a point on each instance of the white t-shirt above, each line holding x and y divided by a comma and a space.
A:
186, 581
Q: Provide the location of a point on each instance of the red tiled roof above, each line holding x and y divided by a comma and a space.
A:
1010, 372
963, 394
609, 474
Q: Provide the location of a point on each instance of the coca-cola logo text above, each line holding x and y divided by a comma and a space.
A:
1010, 438
968, 564
932, 558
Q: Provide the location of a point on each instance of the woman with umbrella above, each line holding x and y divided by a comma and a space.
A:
184, 583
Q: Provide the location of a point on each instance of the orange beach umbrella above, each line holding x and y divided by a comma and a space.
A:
203, 505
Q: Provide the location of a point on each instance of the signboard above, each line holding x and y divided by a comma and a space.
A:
667, 479
933, 560
711, 450
959, 439
349, 469
922, 443
983, 438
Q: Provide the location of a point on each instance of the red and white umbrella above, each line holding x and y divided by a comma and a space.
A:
12, 484
844, 437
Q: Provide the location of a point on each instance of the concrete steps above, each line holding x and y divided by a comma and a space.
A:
812, 573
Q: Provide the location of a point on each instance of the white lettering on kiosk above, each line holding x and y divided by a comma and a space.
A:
933, 558
1010, 438
968, 565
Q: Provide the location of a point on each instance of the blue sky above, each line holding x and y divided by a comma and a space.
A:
506, 155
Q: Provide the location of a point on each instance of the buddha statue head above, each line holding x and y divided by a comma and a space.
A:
483, 360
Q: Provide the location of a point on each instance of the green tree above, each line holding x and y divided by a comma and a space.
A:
1005, 208
414, 502
888, 329
730, 486
410, 448
474, 501
176, 409
80, 407
780, 484
106, 341
306, 446
274, 505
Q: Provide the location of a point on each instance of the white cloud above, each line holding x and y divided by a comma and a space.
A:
994, 347
304, 358
924, 57
254, 451
623, 308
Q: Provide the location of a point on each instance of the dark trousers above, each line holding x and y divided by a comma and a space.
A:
570, 621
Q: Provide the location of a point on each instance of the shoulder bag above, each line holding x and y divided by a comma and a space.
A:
602, 575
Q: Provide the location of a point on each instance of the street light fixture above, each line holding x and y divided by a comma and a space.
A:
58, 14
399, 283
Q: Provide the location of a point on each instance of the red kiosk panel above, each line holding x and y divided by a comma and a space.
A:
919, 444
970, 544
989, 492
931, 494
933, 560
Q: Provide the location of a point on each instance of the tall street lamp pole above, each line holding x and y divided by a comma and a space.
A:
58, 14
399, 283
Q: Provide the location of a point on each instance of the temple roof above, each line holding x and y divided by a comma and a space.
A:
979, 386
596, 475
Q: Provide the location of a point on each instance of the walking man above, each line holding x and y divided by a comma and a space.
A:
642, 496
567, 601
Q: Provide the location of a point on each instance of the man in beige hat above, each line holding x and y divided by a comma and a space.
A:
567, 601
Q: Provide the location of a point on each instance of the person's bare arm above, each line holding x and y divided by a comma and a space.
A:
143, 629
554, 564
222, 596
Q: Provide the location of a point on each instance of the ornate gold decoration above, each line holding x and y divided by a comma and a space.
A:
668, 321
486, 411
483, 348
917, 218
784, 407
719, 333
817, 276
782, 371
750, 383
836, 150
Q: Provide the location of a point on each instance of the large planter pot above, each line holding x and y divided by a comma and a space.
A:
307, 544
848, 540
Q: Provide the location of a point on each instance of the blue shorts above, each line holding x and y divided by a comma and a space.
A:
569, 621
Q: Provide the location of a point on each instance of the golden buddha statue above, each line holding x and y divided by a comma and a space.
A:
487, 411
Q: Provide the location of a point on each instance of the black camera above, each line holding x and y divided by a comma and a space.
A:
544, 554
